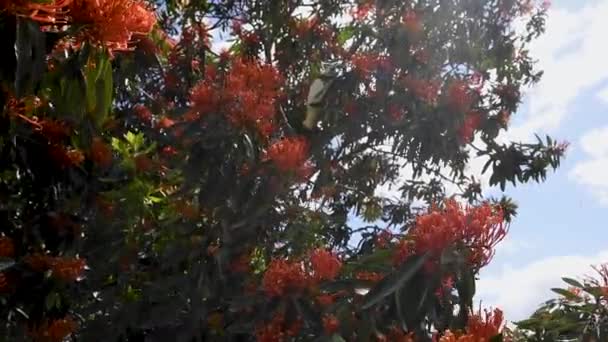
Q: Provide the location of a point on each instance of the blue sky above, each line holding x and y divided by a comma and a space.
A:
560, 228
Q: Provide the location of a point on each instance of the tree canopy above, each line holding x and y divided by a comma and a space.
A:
248, 170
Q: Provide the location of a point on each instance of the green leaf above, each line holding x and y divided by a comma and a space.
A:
345, 34
565, 293
573, 282
497, 338
391, 283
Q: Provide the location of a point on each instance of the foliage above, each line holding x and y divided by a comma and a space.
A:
580, 313
155, 188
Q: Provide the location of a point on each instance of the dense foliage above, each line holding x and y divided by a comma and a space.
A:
291, 186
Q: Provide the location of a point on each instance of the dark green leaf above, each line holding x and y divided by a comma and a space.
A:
391, 283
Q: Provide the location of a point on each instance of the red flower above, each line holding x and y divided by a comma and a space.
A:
55, 331
469, 126
459, 96
113, 23
372, 277
7, 247
283, 276
143, 113
396, 113
273, 331
51, 12
101, 154
426, 91
362, 10
330, 324
67, 269
411, 22
485, 327
66, 158
325, 265
289, 154
478, 229
165, 122
246, 96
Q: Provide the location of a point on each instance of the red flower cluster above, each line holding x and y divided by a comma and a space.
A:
283, 276
484, 327
325, 265
113, 23
471, 122
366, 63
55, 331
412, 23
459, 96
7, 247
289, 154
247, 95
143, 113
277, 330
478, 229
63, 268
67, 269
330, 324
66, 158
51, 12
101, 153
425, 90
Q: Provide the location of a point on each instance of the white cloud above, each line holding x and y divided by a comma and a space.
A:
591, 172
518, 291
572, 54
603, 95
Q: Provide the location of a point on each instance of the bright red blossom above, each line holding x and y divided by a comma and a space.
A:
67, 269
459, 96
330, 324
283, 276
113, 23
478, 229
246, 95
289, 154
325, 265
425, 90
101, 153
471, 123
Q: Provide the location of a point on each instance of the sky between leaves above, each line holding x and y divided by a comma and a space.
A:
560, 229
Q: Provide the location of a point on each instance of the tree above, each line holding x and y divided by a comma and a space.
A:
154, 187
579, 314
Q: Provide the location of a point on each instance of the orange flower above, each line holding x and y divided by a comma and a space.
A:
283, 276
478, 229
113, 23
325, 265
330, 324
49, 12
101, 154
7, 247
485, 326
246, 95
289, 154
